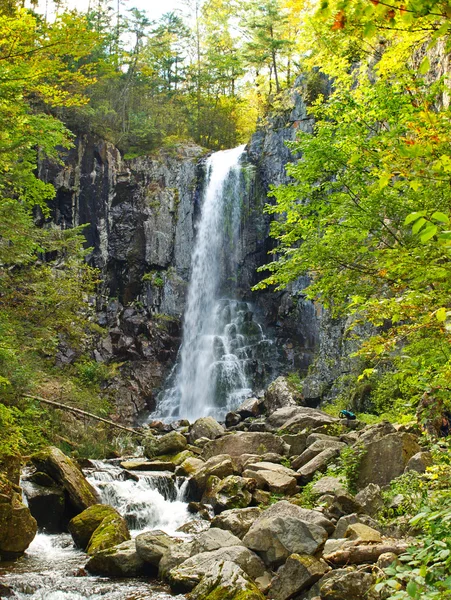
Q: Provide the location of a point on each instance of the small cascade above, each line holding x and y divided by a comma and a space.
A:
223, 349
146, 500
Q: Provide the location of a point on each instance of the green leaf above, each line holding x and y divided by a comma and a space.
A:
428, 233
414, 216
440, 315
412, 589
425, 66
418, 225
439, 216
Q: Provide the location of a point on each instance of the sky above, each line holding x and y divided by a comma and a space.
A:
153, 8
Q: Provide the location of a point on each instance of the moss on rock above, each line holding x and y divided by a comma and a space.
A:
112, 531
83, 525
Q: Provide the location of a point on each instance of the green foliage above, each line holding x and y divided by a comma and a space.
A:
346, 466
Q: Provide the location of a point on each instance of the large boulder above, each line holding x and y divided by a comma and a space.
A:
386, 458
111, 532
315, 449
213, 539
238, 520
46, 504
294, 419
175, 555
273, 477
231, 492
227, 581
250, 408
171, 443
347, 584
64, 471
17, 526
83, 525
299, 573
240, 443
419, 462
205, 427
285, 529
281, 393
187, 575
120, 561
217, 466
152, 545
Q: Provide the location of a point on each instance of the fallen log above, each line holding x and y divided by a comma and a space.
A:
84, 413
364, 553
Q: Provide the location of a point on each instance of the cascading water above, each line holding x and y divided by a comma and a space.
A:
221, 341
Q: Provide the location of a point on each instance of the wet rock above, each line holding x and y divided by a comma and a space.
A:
285, 529
419, 462
280, 394
141, 464
237, 521
17, 526
111, 532
152, 545
227, 581
205, 427
240, 443
64, 471
46, 504
120, 561
213, 539
317, 464
83, 525
370, 499
231, 492
386, 458
187, 575
273, 477
299, 573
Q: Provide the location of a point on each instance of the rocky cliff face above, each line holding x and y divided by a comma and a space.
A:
141, 217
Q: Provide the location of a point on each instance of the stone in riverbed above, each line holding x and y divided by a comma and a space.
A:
175, 555
152, 545
119, 561
83, 525
65, 472
213, 539
237, 521
205, 427
187, 575
141, 464
231, 492
299, 573
112, 531
227, 581
219, 466
17, 526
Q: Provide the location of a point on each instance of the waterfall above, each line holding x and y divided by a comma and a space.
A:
221, 340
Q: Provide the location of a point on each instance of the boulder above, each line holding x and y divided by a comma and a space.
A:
232, 419
316, 448
250, 408
280, 394
112, 531
189, 466
362, 533
46, 504
83, 525
296, 419
297, 443
344, 522
240, 443
237, 521
285, 529
231, 492
218, 466
339, 504
152, 545
373, 433
10, 467
328, 485
273, 477
347, 584
386, 458
120, 561
315, 437
171, 443
370, 499
17, 525
213, 539
227, 581
175, 555
419, 462
205, 427
187, 575
299, 573
317, 464
65, 471
141, 464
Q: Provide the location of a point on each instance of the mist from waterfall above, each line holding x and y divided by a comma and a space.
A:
220, 337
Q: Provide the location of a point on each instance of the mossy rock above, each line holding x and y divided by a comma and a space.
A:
176, 459
17, 526
83, 525
112, 531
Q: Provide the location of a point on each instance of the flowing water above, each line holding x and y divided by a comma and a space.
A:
52, 569
222, 342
